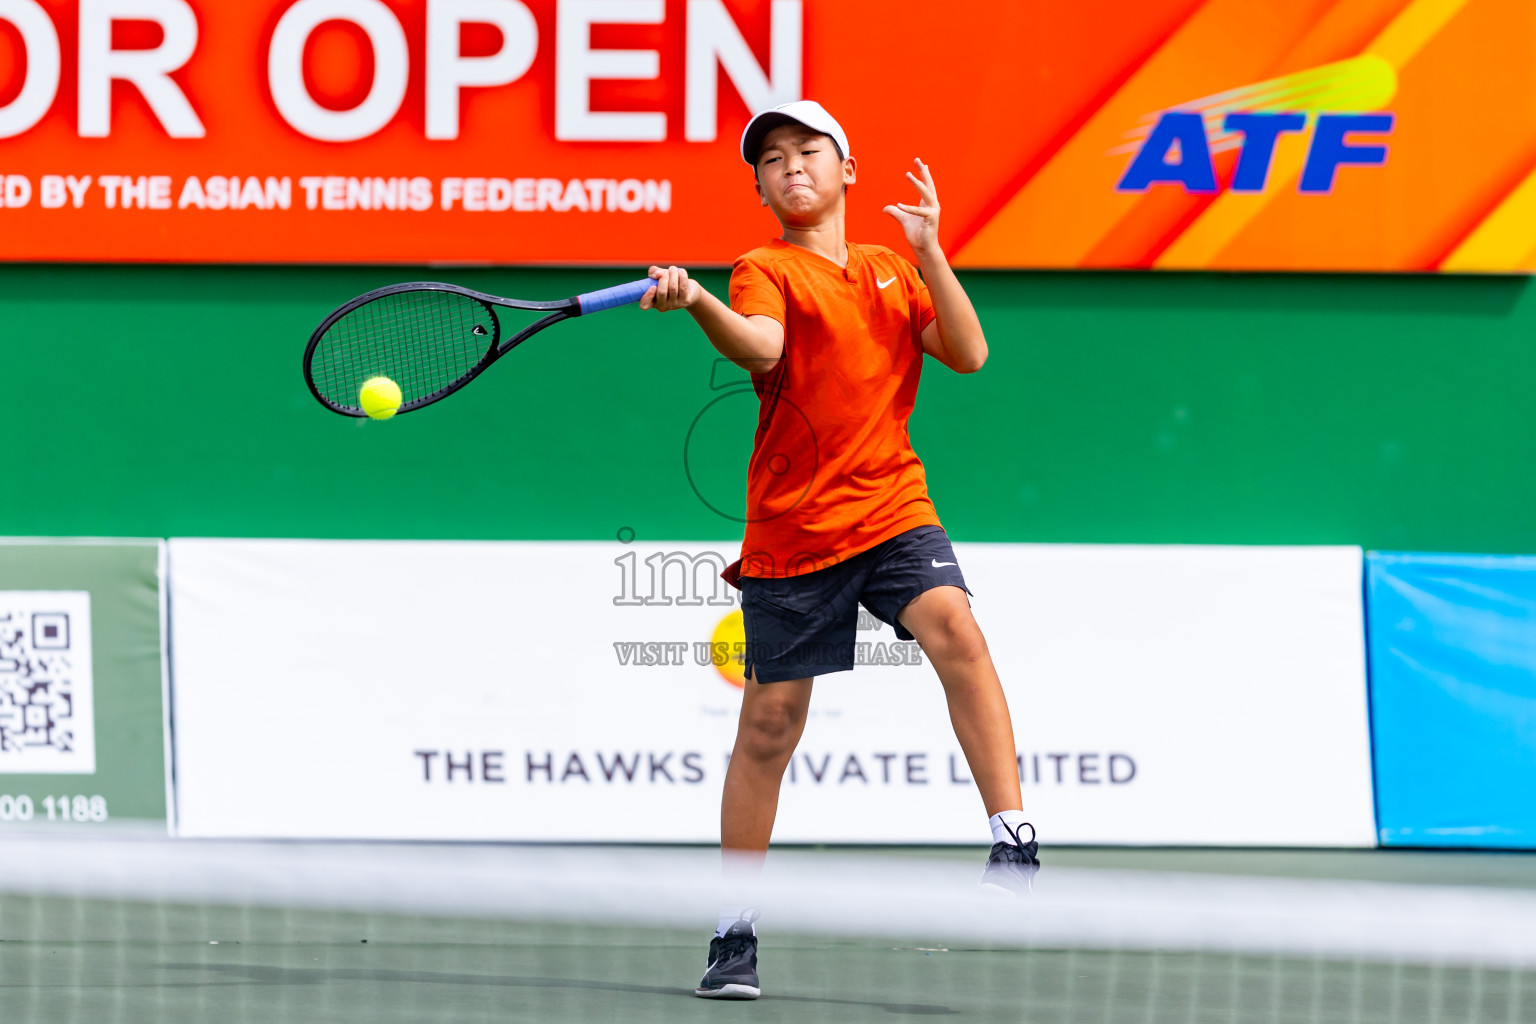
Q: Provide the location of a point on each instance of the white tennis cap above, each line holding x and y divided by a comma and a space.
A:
807, 112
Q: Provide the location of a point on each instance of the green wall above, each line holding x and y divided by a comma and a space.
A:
1392, 412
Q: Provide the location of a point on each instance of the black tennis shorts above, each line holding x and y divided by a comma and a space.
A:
799, 626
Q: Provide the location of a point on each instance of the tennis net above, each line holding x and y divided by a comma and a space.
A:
130, 926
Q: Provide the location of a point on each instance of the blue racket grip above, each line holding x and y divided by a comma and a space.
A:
618, 295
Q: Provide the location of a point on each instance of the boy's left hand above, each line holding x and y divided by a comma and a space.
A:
920, 223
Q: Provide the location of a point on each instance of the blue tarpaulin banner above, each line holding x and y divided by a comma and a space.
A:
1452, 641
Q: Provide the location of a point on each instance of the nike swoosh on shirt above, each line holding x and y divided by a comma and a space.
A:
882, 285
939, 565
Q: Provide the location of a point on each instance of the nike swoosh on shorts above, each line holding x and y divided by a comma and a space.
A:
939, 565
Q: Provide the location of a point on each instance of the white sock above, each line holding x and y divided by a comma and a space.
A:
730, 915
1002, 822
741, 873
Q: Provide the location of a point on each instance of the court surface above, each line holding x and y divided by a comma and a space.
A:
130, 927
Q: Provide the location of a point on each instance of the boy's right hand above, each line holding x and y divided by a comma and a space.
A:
674, 290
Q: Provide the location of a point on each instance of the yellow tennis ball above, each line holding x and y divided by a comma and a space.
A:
379, 397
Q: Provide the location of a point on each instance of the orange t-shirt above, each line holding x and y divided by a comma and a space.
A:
833, 472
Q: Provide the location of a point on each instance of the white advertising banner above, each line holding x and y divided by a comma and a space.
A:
571, 691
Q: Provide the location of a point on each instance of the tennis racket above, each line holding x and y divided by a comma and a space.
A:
429, 338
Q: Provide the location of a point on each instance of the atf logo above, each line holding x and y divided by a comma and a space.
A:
1180, 145
728, 647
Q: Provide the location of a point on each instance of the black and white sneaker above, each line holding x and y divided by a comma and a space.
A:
1012, 866
732, 970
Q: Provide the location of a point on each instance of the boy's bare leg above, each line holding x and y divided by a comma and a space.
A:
772, 719
942, 622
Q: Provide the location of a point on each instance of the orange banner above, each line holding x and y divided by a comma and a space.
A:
1224, 134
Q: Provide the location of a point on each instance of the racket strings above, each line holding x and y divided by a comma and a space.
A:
425, 341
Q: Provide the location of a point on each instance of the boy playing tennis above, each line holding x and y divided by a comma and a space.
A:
838, 513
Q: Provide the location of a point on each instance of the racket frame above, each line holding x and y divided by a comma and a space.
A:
562, 309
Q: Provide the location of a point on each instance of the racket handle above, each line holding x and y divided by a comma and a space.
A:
618, 295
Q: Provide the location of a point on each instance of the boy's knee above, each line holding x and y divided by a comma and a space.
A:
954, 634
769, 730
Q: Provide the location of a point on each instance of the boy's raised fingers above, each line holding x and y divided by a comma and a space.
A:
928, 179
924, 188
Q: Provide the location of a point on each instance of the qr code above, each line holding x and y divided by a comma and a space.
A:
46, 713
